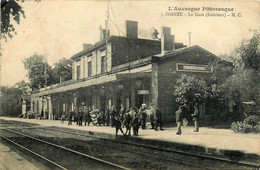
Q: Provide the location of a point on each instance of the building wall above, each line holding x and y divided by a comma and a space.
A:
168, 75
130, 49
95, 58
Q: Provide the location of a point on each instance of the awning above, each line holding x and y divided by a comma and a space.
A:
92, 82
124, 76
77, 85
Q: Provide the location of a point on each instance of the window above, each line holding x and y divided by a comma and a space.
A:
102, 64
78, 72
89, 69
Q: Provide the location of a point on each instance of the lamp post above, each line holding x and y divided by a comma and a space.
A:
129, 82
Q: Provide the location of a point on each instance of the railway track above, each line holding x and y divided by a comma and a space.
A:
225, 160
186, 158
195, 164
59, 157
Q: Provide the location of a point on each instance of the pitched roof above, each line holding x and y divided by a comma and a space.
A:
181, 50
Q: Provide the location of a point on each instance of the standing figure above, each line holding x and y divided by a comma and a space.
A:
122, 114
107, 115
113, 115
195, 116
87, 118
143, 115
42, 115
117, 123
135, 123
128, 122
152, 115
80, 117
70, 117
63, 117
158, 118
179, 115
100, 117
76, 116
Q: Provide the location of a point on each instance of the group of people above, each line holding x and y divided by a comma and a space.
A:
180, 116
135, 118
131, 118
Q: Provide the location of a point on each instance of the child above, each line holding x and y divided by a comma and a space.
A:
135, 124
128, 122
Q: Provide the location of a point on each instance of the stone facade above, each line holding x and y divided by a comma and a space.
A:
124, 70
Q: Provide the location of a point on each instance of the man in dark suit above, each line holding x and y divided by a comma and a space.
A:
158, 118
195, 116
80, 117
135, 123
179, 115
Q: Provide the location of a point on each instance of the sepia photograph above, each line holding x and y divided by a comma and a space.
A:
143, 84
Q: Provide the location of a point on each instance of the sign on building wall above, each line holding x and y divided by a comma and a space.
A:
194, 68
142, 92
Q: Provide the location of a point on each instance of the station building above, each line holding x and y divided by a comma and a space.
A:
125, 70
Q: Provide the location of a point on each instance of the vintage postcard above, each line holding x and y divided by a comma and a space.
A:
142, 84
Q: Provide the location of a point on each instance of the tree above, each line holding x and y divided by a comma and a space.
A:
23, 86
10, 101
39, 71
190, 90
249, 51
10, 10
62, 70
244, 83
221, 70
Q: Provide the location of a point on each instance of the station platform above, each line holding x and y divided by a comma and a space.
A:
208, 140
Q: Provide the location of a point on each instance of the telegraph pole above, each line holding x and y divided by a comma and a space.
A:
189, 38
107, 35
45, 73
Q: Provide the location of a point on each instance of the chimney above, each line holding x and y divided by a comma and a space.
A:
86, 46
103, 33
131, 29
167, 40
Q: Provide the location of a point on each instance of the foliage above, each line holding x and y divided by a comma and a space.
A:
62, 69
10, 9
252, 120
221, 70
37, 66
249, 125
241, 86
189, 89
23, 86
10, 101
249, 52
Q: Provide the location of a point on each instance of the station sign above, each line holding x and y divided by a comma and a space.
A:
194, 68
142, 92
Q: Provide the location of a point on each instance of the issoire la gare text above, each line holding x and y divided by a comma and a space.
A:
202, 12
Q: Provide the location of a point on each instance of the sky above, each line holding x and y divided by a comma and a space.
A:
57, 28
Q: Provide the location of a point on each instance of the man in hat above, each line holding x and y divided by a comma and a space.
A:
158, 118
195, 116
87, 117
179, 116
128, 121
80, 117
143, 115
135, 123
152, 115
